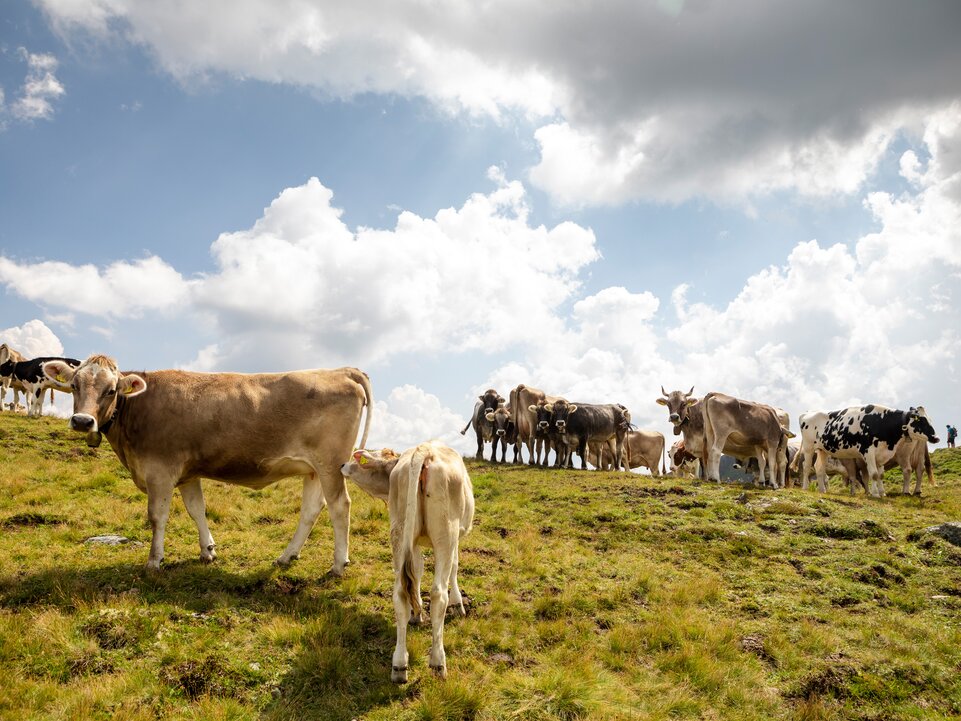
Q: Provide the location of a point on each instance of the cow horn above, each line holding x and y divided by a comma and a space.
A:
664, 392
689, 393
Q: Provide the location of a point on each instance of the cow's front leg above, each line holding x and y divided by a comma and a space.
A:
875, 474
193, 495
480, 446
159, 494
312, 503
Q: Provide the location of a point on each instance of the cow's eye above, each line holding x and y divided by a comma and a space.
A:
110, 392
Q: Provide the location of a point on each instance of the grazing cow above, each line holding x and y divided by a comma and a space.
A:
8, 359
641, 449
578, 424
811, 425
430, 503
487, 403
870, 434
683, 464
171, 428
524, 401
505, 433
720, 424
29, 374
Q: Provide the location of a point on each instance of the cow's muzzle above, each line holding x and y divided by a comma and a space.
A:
674, 418
543, 425
561, 425
83, 422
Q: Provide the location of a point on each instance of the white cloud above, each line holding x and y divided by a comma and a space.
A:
410, 416
32, 339
301, 286
122, 289
40, 88
668, 100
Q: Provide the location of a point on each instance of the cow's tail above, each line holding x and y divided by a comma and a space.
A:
51, 396
464, 432
361, 378
927, 467
419, 463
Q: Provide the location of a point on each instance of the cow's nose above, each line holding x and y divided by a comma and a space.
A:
935, 440
674, 418
500, 432
82, 422
343, 469
543, 424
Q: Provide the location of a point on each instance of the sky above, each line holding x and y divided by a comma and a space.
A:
757, 197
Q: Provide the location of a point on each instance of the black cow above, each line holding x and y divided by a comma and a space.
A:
487, 403
578, 424
869, 433
544, 434
30, 375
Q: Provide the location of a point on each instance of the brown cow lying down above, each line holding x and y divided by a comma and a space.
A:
430, 501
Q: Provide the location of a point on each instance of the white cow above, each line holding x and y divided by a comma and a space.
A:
430, 501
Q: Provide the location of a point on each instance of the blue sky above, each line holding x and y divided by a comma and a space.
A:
679, 197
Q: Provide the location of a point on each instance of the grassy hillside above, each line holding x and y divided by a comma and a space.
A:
592, 595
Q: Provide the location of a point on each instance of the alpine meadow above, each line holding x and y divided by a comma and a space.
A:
590, 595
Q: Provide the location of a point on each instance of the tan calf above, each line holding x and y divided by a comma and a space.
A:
430, 501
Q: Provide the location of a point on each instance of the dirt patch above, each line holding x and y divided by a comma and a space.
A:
289, 586
864, 529
30, 519
654, 491
832, 679
754, 643
88, 665
879, 575
207, 677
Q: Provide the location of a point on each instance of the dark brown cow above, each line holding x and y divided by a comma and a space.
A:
642, 449
524, 401
487, 403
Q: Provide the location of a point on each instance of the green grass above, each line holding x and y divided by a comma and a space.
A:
591, 596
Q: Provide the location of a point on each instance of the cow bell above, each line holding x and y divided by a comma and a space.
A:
94, 438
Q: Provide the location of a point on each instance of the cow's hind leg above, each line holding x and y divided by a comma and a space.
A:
416, 607
444, 564
456, 599
193, 495
402, 612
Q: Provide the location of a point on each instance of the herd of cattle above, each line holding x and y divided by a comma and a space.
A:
857, 443
172, 428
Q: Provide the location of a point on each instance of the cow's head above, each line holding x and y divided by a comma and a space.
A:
542, 412
677, 403
96, 385
919, 425
4, 353
500, 419
560, 413
371, 470
491, 400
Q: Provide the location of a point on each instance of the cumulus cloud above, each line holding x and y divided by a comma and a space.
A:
32, 339
410, 415
302, 286
667, 100
122, 289
39, 91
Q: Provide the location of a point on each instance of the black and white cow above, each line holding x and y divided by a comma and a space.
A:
578, 424
870, 433
30, 375
487, 403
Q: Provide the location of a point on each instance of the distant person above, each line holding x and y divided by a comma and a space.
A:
952, 435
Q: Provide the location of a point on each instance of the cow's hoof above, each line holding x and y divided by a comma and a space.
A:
286, 560
460, 610
153, 566
416, 619
439, 671
337, 571
398, 674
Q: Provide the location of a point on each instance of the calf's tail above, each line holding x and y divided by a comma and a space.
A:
927, 467
416, 474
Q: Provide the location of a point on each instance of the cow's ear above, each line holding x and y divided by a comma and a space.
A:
549, 407
489, 416
59, 373
661, 401
131, 385
691, 401
571, 408
480, 398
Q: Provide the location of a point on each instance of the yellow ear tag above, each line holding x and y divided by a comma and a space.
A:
128, 390
362, 460
61, 378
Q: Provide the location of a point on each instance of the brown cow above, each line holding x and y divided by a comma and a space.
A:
723, 424
8, 357
641, 449
171, 428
